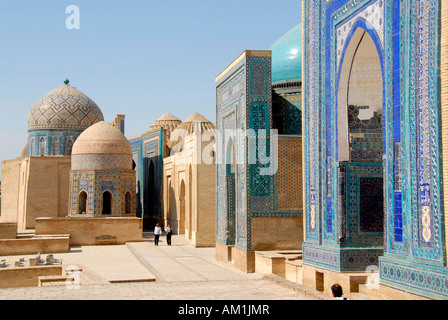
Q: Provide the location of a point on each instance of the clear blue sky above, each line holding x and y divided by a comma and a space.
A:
141, 58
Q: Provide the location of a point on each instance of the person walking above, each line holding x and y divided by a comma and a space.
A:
169, 232
157, 233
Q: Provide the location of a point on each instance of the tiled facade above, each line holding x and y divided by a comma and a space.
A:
148, 151
402, 159
248, 190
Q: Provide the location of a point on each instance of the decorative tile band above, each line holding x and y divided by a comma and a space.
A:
432, 282
341, 259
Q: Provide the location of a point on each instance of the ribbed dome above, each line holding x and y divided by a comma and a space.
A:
197, 119
102, 138
194, 123
64, 108
24, 152
287, 56
166, 122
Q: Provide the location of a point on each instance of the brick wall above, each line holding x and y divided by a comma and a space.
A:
84, 230
26, 277
34, 245
8, 230
289, 174
276, 234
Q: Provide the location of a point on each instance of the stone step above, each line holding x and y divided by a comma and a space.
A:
45, 281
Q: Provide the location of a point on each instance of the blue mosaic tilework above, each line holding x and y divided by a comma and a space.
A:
147, 155
95, 183
406, 34
57, 143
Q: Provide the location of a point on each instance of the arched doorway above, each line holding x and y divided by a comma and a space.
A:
42, 146
32, 147
182, 208
360, 141
82, 202
151, 188
106, 202
127, 202
69, 146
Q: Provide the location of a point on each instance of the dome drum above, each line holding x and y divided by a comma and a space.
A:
102, 147
102, 162
44, 143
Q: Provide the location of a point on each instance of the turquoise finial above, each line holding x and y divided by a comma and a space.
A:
66, 81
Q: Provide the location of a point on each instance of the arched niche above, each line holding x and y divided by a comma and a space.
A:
360, 87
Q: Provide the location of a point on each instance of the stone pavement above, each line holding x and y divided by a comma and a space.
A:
143, 271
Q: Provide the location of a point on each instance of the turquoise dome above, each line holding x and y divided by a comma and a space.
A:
287, 56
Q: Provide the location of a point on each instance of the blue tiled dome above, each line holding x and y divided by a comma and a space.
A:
64, 108
287, 56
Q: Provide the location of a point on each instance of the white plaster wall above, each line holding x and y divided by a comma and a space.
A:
366, 86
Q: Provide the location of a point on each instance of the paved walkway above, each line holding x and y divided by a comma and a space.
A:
141, 270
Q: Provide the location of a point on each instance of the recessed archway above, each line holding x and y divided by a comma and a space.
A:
360, 89
360, 135
106, 203
127, 202
82, 202
182, 208
230, 191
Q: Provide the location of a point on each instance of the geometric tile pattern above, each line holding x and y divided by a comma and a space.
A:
289, 175
120, 184
407, 36
244, 101
64, 108
101, 162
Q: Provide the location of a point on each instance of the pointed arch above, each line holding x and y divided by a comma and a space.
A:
106, 202
82, 202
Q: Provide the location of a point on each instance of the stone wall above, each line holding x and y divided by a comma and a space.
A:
34, 187
276, 234
322, 279
26, 277
48, 244
11, 173
191, 213
85, 230
8, 230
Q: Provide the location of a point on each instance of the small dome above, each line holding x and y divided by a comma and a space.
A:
287, 56
64, 108
198, 118
194, 123
102, 138
24, 152
167, 122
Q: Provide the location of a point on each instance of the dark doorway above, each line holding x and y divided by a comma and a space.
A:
82, 202
107, 203
128, 202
